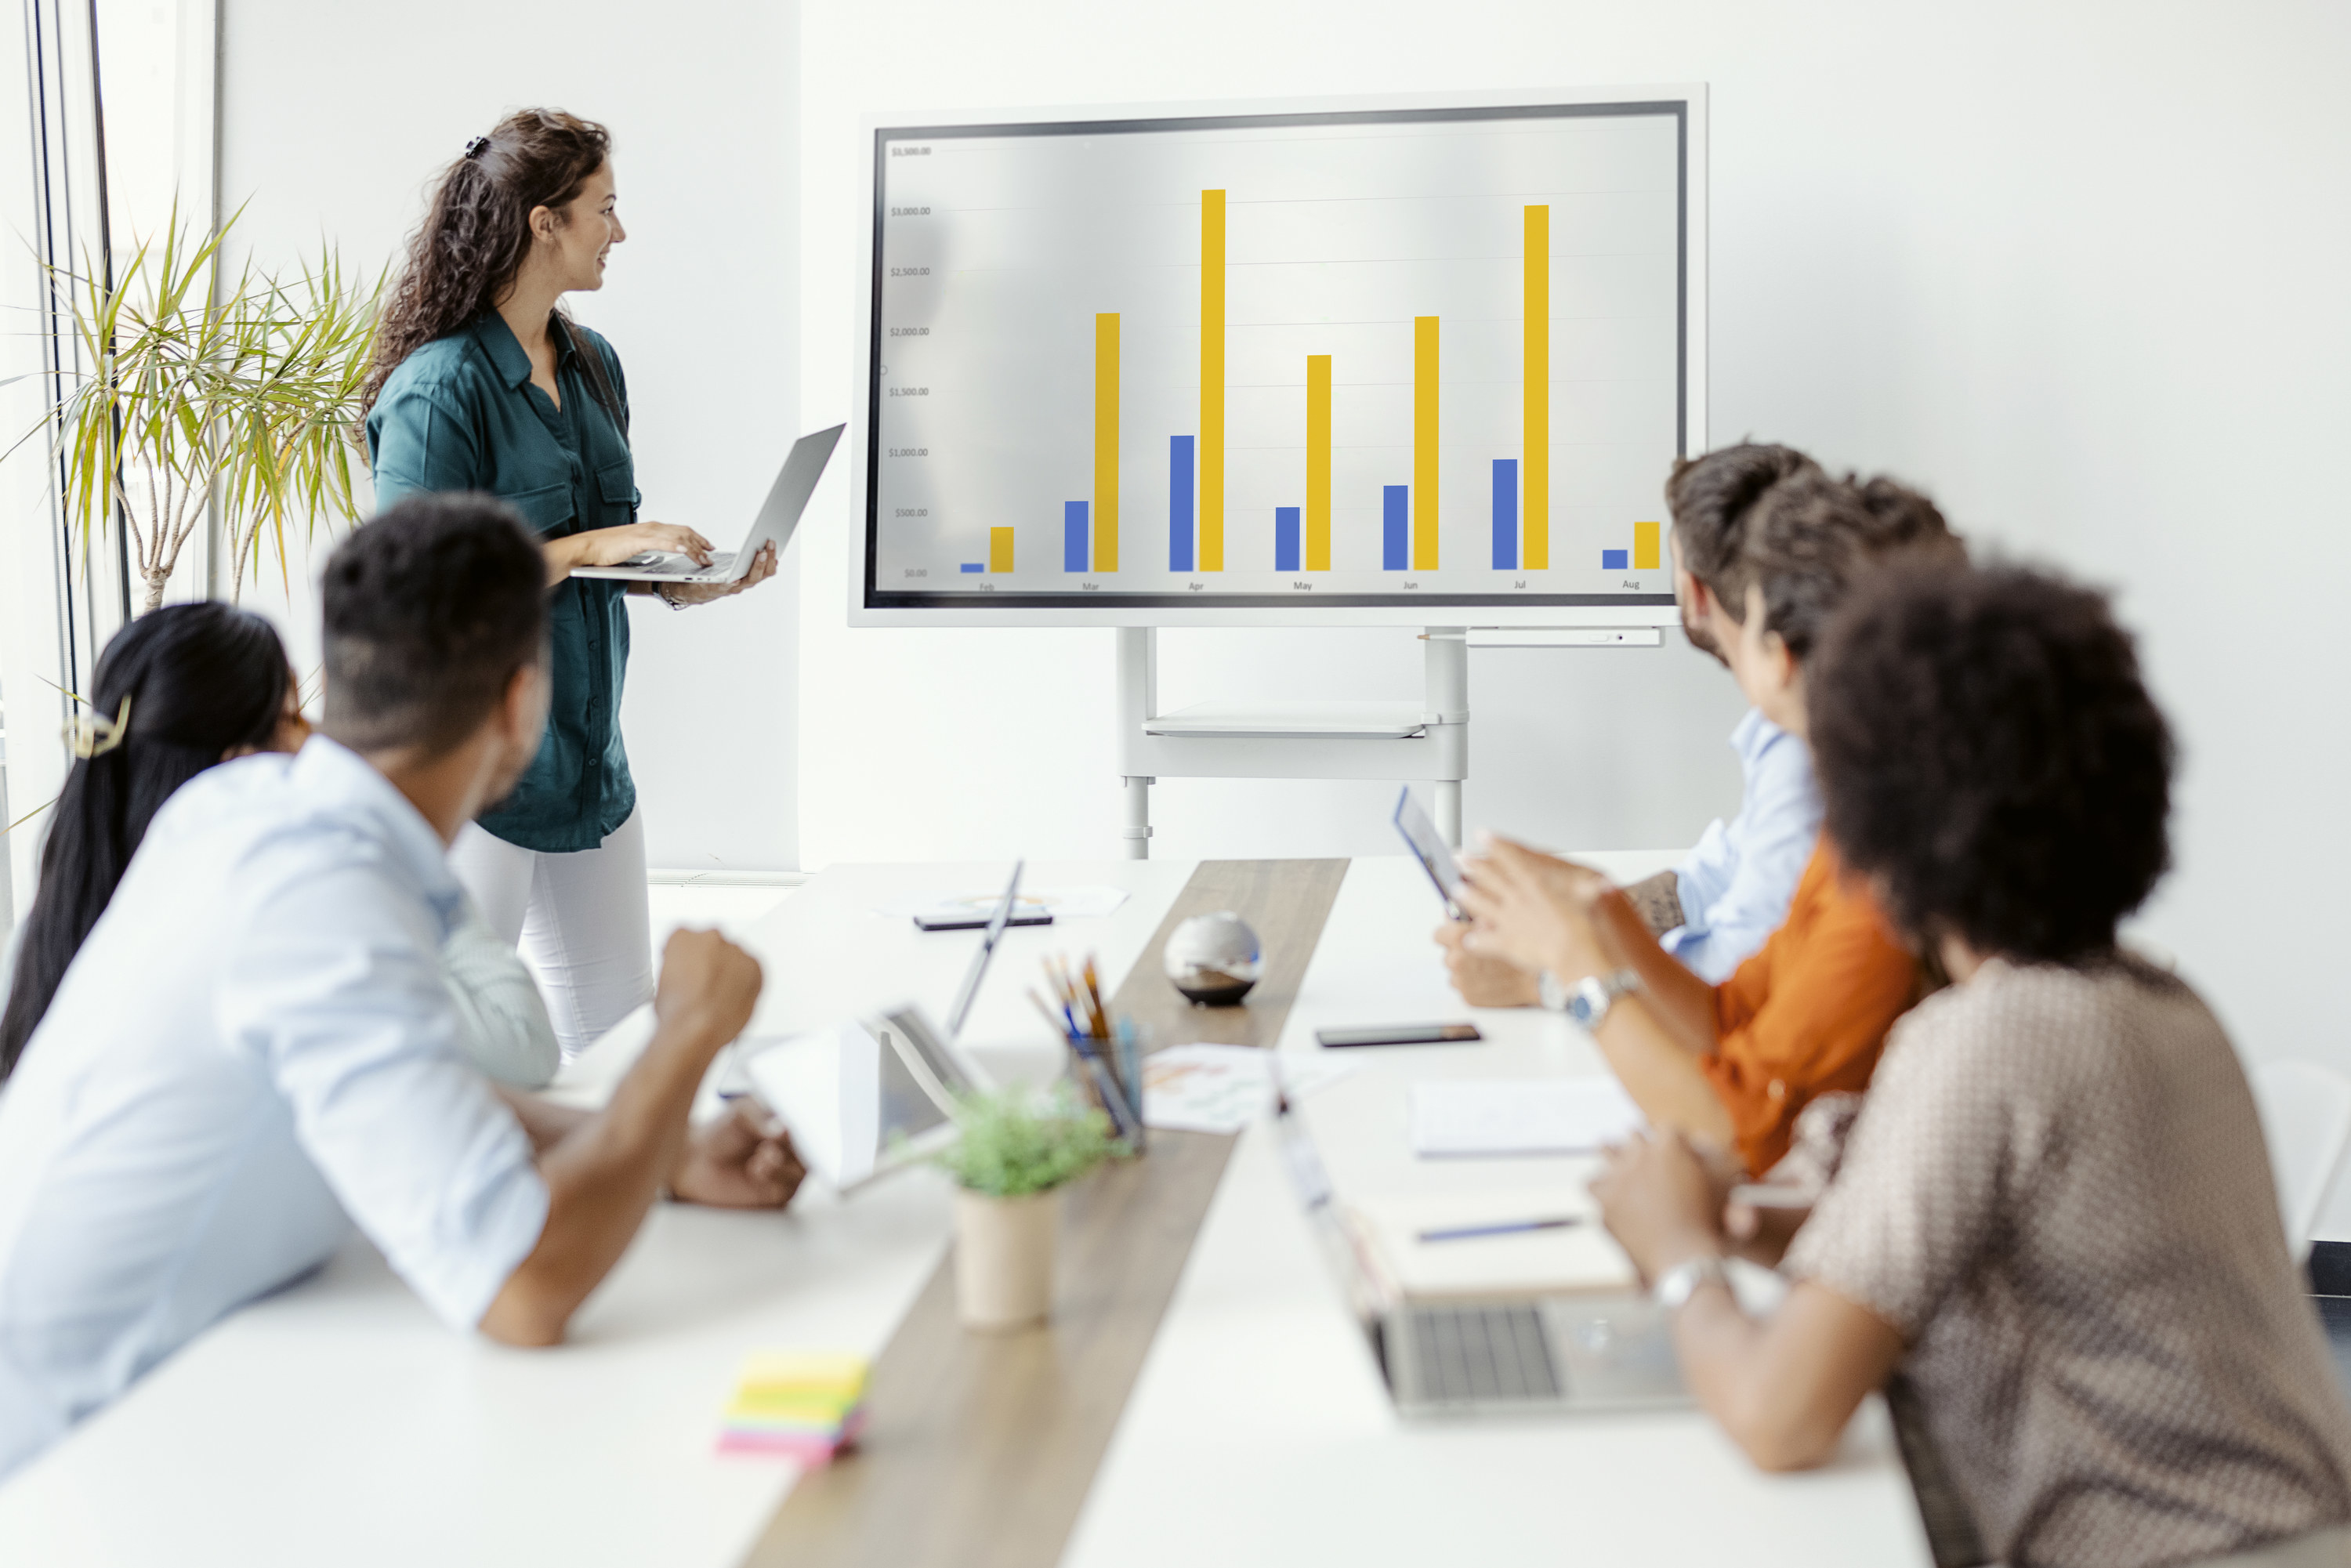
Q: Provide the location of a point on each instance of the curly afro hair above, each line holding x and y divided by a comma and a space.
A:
1990, 756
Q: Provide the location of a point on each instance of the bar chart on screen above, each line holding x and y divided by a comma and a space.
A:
1353, 356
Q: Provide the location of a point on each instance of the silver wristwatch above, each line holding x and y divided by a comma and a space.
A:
1588, 1000
1679, 1283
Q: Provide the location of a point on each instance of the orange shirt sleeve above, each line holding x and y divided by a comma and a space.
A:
1808, 1014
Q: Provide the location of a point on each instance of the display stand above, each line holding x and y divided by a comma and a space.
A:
1429, 739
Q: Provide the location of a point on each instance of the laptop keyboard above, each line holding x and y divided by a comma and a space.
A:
1483, 1352
670, 564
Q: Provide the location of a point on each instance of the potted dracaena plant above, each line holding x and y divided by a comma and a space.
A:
1017, 1149
197, 386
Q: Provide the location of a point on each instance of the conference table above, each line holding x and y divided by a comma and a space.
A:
1202, 1393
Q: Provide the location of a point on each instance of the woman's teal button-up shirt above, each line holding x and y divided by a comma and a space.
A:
460, 414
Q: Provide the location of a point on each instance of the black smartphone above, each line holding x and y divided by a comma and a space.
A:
980, 921
1400, 1034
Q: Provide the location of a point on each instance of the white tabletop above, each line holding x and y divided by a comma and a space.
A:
1259, 1431
338, 1422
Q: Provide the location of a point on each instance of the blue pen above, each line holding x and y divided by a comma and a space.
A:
1506, 1227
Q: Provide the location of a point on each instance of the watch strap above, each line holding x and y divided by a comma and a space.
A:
1679, 1283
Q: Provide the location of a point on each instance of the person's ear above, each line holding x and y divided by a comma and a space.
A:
523, 711
542, 224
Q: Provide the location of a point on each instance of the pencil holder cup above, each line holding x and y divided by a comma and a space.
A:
1214, 959
1107, 1075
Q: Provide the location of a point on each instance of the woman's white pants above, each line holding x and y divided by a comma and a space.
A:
582, 921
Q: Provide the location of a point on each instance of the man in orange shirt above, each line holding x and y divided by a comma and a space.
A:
1807, 1015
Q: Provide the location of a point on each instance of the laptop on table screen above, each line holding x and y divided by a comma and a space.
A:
1511, 1355
873, 1095
788, 497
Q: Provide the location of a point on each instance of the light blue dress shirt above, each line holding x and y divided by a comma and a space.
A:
1736, 885
254, 1049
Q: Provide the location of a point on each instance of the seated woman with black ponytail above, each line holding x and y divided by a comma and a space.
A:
180, 690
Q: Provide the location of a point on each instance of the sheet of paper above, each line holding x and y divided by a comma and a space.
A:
1466, 1118
1224, 1088
1077, 903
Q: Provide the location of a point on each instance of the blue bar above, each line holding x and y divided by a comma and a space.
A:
1616, 561
1395, 526
1506, 514
1073, 536
1179, 503
971, 566
1285, 538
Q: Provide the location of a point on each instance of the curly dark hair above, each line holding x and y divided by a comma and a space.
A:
429, 611
1768, 515
476, 230
1990, 756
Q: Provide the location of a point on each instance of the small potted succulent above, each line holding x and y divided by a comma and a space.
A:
1018, 1148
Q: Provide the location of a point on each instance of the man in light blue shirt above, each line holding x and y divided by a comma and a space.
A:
1733, 889
1714, 910
255, 1048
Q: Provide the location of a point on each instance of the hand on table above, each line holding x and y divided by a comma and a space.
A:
744, 1161
1483, 980
763, 567
1535, 911
1660, 1196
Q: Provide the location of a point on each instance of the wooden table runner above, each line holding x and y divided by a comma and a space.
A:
979, 1449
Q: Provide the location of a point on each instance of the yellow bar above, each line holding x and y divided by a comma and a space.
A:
1534, 455
1318, 461
1106, 441
999, 550
1645, 557
1424, 443
1212, 381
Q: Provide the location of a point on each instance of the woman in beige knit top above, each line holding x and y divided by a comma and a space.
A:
2051, 1234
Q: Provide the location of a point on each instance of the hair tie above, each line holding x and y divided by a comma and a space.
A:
474, 147
96, 737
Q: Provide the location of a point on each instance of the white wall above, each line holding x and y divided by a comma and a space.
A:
2076, 268
337, 115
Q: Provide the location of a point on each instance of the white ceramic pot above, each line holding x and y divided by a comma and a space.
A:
1003, 1259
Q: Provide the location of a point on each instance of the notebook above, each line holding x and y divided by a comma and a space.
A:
1470, 1118
1580, 1258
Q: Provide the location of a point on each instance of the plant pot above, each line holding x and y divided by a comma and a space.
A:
1003, 1259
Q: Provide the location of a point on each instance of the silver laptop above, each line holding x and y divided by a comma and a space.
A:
1509, 1356
874, 1095
788, 497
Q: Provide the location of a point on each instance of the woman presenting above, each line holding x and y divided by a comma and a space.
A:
480, 383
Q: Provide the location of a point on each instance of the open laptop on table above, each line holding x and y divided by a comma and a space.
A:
788, 497
1504, 1356
873, 1095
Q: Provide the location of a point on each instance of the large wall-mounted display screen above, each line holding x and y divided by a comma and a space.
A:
1408, 358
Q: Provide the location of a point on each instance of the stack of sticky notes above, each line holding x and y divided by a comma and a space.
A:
803, 1407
